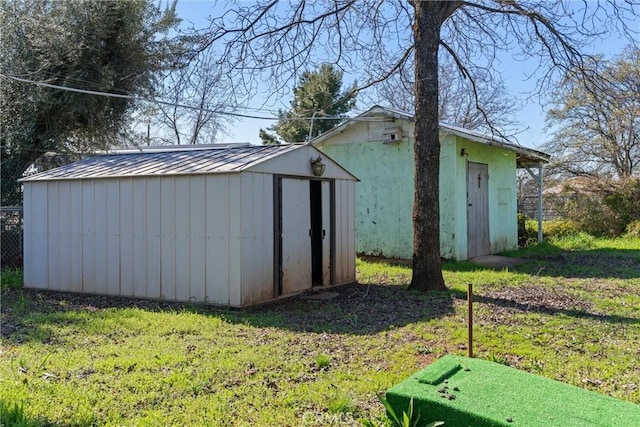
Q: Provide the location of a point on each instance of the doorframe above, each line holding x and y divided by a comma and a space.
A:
277, 235
317, 242
277, 228
488, 209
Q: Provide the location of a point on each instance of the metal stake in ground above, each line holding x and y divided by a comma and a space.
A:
470, 318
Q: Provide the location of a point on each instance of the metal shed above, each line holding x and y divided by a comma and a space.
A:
229, 225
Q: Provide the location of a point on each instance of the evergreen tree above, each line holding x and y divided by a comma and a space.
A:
317, 106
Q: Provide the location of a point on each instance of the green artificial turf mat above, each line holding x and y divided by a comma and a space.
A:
444, 370
470, 392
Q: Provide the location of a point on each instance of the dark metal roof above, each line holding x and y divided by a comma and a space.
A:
173, 161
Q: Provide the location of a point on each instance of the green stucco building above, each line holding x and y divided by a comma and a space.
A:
478, 202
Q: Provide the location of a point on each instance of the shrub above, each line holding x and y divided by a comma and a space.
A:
527, 231
11, 278
559, 228
600, 207
633, 229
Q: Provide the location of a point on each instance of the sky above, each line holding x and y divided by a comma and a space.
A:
531, 116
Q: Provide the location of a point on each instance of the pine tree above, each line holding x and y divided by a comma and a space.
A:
317, 106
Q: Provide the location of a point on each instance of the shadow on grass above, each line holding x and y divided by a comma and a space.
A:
358, 309
543, 306
556, 262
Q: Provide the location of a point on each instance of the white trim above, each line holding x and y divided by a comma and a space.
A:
537, 157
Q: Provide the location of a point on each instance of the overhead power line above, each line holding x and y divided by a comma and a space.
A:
175, 104
134, 98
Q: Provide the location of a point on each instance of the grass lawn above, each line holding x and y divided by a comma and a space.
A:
571, 314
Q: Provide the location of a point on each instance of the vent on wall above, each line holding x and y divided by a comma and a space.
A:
391, 136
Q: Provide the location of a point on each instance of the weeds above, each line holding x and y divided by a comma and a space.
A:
323, 361
13, 415
409, 418
11, 278
83, 360
498, 358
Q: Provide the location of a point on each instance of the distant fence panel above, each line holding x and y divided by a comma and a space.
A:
528, 205
11, 230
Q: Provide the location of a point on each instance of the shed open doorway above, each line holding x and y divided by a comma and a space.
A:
320, 195
303, 235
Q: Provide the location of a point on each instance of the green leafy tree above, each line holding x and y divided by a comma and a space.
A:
597, 122
317, 106
116, 47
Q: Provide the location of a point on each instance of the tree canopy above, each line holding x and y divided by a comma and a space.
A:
116, 47
488, 108
195, 97
597, 121
374, 40
318, 105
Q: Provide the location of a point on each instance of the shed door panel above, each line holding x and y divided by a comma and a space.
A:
296, 242
477, 209
326, 232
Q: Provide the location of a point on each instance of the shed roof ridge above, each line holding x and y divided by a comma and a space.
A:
134, 164
470, 134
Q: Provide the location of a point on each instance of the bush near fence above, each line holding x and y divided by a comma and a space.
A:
603, 208
11, 226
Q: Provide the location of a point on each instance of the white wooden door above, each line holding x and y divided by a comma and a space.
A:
295, 242
477, 209
326, 233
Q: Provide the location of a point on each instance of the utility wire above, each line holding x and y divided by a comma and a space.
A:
134, 98
175, 104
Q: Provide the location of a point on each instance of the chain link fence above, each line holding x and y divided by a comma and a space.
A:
11, 217
11, 226
528, 205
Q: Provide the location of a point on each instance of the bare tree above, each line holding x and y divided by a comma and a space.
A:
492, 108
197, 96
375, 39
597, 123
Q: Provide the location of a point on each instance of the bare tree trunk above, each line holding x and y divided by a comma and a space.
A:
427, 265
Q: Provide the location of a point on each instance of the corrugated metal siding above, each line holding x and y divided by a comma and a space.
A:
53, 238
27, 235
204, 238
219, 206
39, 221
175, 238
296, 243
344, 270
206, 161
74, 239
297, 163
113, 238
257, 238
